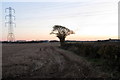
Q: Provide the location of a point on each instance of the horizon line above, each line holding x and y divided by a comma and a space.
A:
65, 40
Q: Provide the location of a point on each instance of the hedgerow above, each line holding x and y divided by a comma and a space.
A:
108, 52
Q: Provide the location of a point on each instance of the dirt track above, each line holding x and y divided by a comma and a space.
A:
43, 60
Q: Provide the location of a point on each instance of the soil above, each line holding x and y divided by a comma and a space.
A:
44, 60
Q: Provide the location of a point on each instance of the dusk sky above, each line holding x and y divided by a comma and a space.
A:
89, 19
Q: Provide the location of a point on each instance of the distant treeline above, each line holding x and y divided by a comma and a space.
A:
46, 41
42, 41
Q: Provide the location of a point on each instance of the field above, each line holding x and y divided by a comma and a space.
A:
45, 60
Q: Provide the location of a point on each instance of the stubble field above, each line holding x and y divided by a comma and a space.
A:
44, 60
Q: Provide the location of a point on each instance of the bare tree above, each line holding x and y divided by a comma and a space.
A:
61, 32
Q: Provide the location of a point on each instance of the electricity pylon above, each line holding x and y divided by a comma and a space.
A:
10, 24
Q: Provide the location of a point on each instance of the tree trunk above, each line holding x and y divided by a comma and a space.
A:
62, 41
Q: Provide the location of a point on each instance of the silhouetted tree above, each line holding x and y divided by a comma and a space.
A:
61, 32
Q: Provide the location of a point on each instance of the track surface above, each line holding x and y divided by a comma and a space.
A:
43, 60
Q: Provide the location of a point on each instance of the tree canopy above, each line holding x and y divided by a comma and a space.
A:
61, 32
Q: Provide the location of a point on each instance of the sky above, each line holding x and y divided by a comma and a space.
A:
89, 19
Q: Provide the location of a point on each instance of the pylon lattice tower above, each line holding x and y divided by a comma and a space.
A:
10, 24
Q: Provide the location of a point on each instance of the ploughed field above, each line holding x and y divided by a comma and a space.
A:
44, 60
